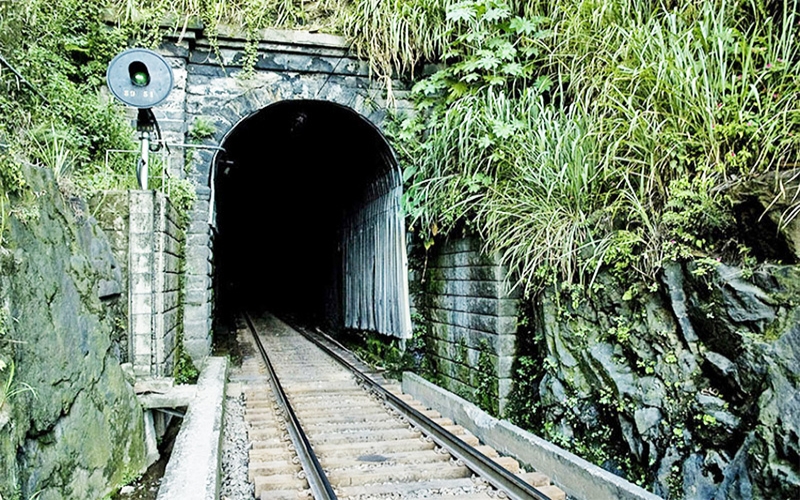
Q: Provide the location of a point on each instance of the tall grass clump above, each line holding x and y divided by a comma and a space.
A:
551, 128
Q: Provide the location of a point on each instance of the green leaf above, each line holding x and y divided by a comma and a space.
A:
488, 61
494, 80
409, 172
497, 14
543, 83
458, 89
513, 69
460, 12
522, 26
503, 130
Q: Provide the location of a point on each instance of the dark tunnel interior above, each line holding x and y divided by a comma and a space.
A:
288, 174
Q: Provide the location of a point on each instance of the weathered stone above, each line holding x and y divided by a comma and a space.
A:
610, 372
652, 391
673, 279
635, 444
646, 420
696, 484
736, 484
724, 369
69, 360
744, 302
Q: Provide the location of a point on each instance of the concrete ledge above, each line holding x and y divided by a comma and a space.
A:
577, 477
193, 469
180, 395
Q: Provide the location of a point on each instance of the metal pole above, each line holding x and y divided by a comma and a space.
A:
145, 160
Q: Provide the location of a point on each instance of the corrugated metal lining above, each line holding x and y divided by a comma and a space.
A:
375, 261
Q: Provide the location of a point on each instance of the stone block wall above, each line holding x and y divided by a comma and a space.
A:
473, 321
170, 240
140, 273
199, 269
146, 238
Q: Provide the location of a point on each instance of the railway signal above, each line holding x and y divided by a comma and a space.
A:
142, 79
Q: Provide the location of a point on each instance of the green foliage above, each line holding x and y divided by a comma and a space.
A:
381, 351
9, 388
486, 396
693, 215
62, 49
201, 129
184, 370
560, 131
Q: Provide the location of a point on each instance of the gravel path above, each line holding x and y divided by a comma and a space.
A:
235, 447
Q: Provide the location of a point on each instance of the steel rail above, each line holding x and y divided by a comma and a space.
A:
476, 461
321, 488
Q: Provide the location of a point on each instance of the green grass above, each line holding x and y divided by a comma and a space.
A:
627, 99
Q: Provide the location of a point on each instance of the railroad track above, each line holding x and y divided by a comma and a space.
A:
349, 434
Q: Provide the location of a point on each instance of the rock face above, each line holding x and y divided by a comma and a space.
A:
79, 433
696, 377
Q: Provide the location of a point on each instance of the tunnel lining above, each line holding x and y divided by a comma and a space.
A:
336, 151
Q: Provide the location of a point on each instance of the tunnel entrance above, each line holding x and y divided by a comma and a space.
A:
308, 219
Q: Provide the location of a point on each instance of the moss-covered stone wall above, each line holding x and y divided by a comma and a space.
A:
78, 432
689, 385
471, 315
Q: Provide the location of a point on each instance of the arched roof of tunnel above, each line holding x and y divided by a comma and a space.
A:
336, 129
307, 173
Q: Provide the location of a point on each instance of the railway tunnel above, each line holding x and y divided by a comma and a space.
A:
309, 221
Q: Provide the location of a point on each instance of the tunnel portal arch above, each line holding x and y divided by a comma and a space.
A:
290, 66
307, 209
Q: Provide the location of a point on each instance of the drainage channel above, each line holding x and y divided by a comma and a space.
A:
372, 442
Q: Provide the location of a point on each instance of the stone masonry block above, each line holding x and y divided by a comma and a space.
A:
170, 319
489, 289
462, 259
141, 201
171, 263
504, 386
196, 330
196, 296
473, 338
142, 327
198, 349
142, 342
198, 240
490, 324
171, 300
477, 305
470, 273
141, 303
196, 314
199, 226
141, 262
141, 364
141, 283
171, 282
198, 267
141, 243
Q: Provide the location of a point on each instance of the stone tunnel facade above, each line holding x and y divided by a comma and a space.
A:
211, 90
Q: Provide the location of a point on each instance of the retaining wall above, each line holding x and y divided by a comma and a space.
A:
146, 238
472, 314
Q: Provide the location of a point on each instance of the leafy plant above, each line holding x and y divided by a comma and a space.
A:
554, 128
184, 371
9, 388
201, 129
